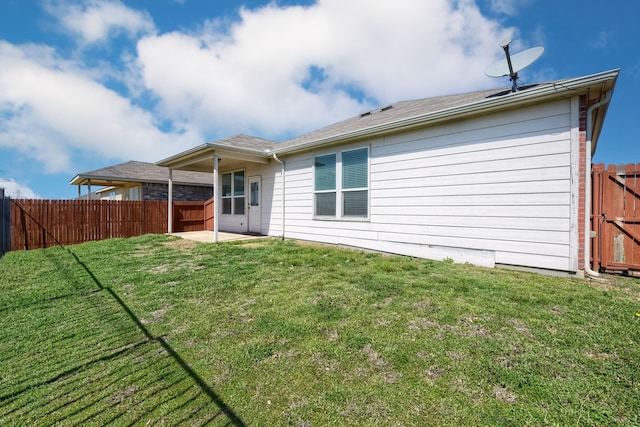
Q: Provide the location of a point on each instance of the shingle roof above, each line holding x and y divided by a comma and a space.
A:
133, 171
389, 114
247, 142
411, 114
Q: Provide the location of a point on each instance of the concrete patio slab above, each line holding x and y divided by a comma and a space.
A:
207, 236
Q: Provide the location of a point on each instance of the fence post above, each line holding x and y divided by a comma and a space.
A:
5, 223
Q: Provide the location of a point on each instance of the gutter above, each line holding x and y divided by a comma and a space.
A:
275, 157
485, 105
559, 88
587, 198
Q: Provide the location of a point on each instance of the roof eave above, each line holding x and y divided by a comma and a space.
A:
180, 157
209, 148
99, 181
549, 91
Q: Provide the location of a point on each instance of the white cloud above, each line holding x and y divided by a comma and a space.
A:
508, 7
286, 70
51, 113
17, 191
96, 20
602, 40
276, 72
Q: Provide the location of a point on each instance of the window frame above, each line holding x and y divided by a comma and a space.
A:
232, 197
339, 189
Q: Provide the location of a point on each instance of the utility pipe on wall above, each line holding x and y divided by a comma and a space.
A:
275, 157
587, 198
216, 193
170, 203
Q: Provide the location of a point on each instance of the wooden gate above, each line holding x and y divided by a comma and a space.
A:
616, 218
208, 214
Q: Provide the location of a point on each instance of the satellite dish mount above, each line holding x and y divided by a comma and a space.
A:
513, 75
512, 65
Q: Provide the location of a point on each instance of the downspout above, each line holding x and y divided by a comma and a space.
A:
216, 193
170, 203
275, 157
587, 198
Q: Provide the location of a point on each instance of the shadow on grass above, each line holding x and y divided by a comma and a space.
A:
120, 373
174, 355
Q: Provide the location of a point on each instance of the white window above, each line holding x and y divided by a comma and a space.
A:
233, 193
134, 193
341, 185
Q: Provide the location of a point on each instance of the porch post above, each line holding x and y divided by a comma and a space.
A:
216, 192
89, 189
170, 203
79, 191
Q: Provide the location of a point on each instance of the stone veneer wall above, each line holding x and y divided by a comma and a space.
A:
181, 193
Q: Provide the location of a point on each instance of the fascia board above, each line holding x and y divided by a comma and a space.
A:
206, 151
105, 181
185, 157
548, 92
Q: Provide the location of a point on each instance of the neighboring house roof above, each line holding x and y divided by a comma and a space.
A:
133, 172
402, 116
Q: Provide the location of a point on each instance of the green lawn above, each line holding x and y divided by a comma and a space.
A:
160, 331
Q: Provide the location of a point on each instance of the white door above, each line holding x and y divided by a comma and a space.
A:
255, 222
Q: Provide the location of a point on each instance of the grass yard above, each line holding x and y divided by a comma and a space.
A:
159, 331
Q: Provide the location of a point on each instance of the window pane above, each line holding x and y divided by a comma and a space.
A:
238, 183
254, 194
326, 204
226, 184
226, 206
238, 205
355, 168
355, 203
325, 172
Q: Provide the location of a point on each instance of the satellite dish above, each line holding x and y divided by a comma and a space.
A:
511, 65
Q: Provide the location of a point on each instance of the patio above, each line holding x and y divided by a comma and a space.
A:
207, 236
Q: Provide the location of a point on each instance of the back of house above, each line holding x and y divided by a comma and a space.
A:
489, 177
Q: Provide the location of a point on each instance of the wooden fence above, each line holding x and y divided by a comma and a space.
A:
193, 216
5, 223
616, 218
43, 223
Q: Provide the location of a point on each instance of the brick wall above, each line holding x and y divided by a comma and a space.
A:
181, 193
583, 170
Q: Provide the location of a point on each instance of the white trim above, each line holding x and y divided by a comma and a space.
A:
233, 196
338, 190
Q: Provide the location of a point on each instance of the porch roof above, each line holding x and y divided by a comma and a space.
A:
137, 172
237, 149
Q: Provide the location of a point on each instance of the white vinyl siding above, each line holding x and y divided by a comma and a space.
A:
492, 189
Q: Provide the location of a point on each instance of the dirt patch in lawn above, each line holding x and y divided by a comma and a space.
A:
182, 245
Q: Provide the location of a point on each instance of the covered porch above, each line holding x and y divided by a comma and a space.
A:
232, 154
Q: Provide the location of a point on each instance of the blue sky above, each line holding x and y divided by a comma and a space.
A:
88, 84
